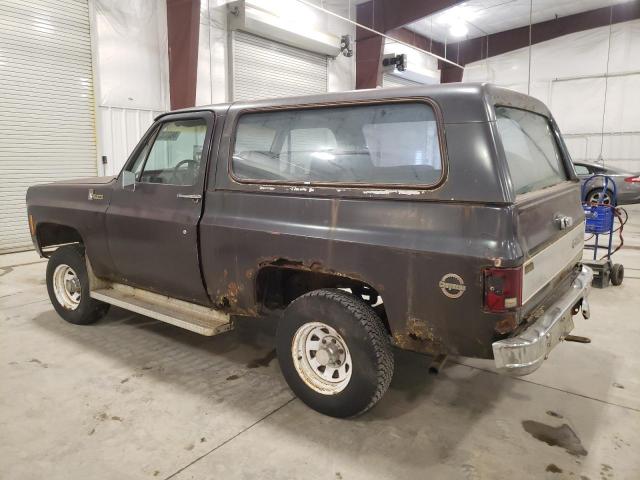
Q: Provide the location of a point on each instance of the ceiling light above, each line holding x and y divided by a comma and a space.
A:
458, 30
323, 156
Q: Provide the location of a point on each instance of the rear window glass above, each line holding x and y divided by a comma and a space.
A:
531, 150
369, 144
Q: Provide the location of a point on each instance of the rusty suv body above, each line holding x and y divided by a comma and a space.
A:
247, 240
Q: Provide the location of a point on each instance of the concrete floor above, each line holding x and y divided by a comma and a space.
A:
134, 398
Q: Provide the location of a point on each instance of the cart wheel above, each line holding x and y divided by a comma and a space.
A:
595, 197
617, 274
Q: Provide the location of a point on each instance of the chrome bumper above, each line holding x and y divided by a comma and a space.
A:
524, 353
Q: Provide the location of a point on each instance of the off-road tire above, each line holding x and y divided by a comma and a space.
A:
617, 274
88, 310
366, 339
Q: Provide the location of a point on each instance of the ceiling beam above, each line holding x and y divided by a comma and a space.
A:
475, 49
385, 16
417, 40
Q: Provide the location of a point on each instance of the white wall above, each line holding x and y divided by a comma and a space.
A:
341, 69
213, 70
132, 70
569, 75
211, 85
132, 73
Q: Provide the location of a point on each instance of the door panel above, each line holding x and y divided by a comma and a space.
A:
153, 229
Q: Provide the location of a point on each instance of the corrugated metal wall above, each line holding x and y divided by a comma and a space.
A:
263, 68
390, 80
47, 124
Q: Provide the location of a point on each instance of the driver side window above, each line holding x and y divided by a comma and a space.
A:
174, 158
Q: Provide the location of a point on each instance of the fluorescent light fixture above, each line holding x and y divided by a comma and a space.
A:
458, 29
457, 18
323, 156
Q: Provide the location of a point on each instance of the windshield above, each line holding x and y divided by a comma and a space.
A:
531, 150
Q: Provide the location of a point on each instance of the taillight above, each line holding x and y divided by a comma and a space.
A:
635, 179
32, 225
502, 288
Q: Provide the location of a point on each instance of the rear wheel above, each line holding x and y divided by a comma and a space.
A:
68, 287
334, 352
617, 274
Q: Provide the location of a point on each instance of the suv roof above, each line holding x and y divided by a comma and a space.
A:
458, 102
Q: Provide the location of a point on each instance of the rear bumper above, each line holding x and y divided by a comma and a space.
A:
524, 353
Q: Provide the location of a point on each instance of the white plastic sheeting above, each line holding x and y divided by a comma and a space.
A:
569, 74
211, 83
120, 130
132, 73
132, 53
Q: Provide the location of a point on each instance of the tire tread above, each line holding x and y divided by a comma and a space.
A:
92, 310
376, 332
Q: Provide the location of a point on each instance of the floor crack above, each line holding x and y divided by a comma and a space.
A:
231, 438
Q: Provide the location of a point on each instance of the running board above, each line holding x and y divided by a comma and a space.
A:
199, 319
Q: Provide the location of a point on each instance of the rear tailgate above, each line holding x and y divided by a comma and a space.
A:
549, 216
550, 226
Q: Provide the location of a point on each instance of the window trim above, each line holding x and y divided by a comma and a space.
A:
152, 133
150, 142
555, 134
149, 135
317, 106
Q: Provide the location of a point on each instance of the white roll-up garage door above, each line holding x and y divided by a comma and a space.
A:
390, 80
47, 128
263, 68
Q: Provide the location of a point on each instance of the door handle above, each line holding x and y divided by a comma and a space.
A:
563, 221
194, 197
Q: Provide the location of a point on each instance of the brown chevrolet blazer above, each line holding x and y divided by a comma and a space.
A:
441, 219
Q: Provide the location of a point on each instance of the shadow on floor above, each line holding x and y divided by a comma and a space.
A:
438, 411
175, 355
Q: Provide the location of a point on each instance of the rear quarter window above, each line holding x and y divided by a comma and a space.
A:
530, 148
363, 144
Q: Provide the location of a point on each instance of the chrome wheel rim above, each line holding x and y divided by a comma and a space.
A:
66, 287
598, 198
321, 357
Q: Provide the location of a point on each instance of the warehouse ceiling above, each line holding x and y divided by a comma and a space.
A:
476, 18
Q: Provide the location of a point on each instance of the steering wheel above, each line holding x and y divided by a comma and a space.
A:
174, 174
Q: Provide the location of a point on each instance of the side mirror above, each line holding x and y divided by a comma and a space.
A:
128, 180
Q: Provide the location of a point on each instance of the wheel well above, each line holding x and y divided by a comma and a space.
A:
277, 287
49, 234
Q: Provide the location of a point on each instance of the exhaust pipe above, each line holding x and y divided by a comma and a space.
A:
437, 364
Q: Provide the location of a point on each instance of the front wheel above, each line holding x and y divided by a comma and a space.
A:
68, 287
334, 352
